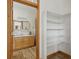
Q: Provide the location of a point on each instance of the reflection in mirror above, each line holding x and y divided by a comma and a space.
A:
35, 1
23, 31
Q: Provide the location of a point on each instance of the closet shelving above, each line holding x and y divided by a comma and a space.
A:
10, 25
55, 31
54, 22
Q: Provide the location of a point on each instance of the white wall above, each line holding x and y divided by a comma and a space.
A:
43, 24
59, 6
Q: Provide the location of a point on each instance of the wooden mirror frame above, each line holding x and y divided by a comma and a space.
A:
10, 26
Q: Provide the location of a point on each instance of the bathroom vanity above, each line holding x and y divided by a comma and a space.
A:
23, 33
23, 42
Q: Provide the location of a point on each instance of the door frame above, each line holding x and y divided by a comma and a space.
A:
10, 29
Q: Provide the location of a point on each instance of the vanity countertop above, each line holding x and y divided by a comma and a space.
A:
22, 35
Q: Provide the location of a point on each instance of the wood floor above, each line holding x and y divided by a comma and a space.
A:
59, 55
28, 53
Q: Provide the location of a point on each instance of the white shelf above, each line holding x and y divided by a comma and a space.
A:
54, 22
55, 29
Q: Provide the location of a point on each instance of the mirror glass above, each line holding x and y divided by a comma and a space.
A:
23, 31
35, 1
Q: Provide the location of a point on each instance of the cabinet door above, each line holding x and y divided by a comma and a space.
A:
23, 42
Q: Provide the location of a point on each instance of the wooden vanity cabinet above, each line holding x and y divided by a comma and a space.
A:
23, 42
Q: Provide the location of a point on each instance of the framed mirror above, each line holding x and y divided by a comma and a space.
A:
23, 35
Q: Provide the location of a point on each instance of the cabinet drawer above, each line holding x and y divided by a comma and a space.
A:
23, 42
